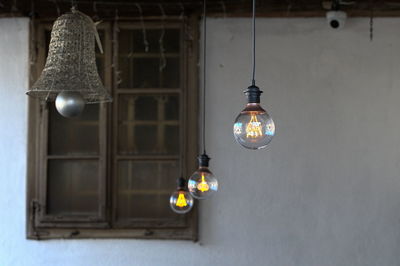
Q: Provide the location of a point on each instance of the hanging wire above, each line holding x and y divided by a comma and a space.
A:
145, 42
253, 80
14, 7
96, 33
223, 6
182, 15
289, 7
33, 44
57, 7
371, 21
117, 72
96, 16
163, 60
181, 164
204, 73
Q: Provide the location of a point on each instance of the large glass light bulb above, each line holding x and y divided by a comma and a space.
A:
202, 184
181, 201
253, 128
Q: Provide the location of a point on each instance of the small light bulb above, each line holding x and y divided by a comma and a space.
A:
202, 184
181, 201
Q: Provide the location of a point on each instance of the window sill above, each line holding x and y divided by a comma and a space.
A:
161, 234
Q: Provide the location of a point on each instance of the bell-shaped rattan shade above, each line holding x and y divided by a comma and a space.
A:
71, 61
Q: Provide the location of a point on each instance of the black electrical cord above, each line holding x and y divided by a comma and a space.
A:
253, 81
204, 73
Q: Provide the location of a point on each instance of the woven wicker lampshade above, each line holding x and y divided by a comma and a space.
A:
71, 61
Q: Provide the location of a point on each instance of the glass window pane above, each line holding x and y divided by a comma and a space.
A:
143, 69
125, 70
171, 74
148, 124
146, 73
172, 139
125, 41
144, 189
78, 136
172, 41
146, 107
172, 107
73, 187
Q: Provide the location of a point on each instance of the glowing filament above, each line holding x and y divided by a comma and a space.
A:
203, 186
253, 128
181, 202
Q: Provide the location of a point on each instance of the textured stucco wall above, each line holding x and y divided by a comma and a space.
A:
325, 193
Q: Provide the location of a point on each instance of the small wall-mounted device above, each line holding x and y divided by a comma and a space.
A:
336, 18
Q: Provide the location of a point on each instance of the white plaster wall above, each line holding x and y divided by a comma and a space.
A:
326, 192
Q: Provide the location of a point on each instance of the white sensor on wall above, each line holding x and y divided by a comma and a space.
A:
336, 19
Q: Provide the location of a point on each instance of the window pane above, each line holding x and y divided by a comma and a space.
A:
172, 139
146, 73
171, 40
144, 189
170, 77
74, 136
125, 70
148, 124
172, 108
145, 107
124, 41
145, 69
73, 187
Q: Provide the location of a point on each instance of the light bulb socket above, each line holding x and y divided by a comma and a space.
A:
203, 160
181, 182
253, 94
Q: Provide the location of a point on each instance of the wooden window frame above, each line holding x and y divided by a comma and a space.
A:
42, 226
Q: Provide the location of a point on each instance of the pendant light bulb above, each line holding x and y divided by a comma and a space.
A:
202, 184
253, 127
181, 201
